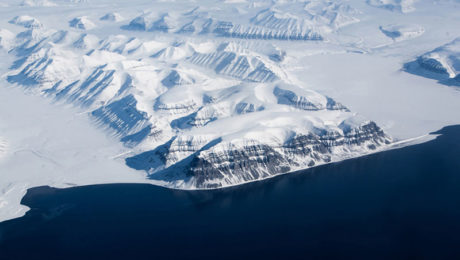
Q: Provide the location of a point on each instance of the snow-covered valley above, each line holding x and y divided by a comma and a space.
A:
220, 93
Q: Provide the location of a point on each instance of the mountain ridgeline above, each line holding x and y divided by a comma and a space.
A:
197, 112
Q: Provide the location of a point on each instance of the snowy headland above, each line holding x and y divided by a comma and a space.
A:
215, 94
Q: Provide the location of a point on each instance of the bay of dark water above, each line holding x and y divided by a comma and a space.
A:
398, 204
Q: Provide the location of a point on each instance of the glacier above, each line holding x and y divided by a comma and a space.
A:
218, 94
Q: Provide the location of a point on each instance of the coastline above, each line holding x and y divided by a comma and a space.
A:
401, 203
21, 210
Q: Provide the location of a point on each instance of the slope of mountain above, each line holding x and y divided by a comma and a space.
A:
214, 93
205, 113
82, 23
442, 64
284, 20
26, 21
112, 17
402, 32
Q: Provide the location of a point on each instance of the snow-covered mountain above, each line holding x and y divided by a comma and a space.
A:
280, 20
214, 93
442, 64
202, 113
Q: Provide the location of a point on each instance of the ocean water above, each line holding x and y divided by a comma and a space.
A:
398, 204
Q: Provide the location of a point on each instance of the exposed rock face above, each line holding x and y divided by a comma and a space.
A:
112, 17
214, 169
305, 21
82, 23
238, 66
441, 64
308, 101
198, 112
432, 64
222, 164
26, 21
122, 116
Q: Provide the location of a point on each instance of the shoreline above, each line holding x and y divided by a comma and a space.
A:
23, 209
407, 197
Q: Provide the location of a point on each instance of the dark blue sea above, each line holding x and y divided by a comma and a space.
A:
398, 204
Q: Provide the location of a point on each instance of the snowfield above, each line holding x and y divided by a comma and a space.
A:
222, 93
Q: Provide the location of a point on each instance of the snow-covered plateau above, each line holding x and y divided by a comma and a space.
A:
214, 93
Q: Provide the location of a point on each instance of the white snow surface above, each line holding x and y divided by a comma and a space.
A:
35, 3
442, 63
2, 147
402, 32
26, 21
82, 22
78, 78
403, 6
113, 17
